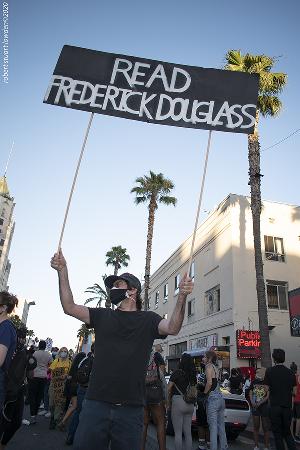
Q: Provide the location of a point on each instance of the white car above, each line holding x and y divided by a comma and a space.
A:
237, 414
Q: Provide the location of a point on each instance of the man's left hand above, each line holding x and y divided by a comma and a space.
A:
186, 285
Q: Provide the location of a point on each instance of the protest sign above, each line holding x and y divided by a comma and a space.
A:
154, 91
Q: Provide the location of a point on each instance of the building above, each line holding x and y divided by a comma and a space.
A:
222, 310
22, 309
7, 226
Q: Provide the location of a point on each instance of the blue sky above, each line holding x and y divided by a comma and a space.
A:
48, 138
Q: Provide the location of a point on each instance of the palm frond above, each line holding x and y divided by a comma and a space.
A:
235, 60
167, 200
271, 82
140, 199
269, 105
89, 300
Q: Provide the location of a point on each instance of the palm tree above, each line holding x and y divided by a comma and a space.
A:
117, 257
82, 335
152, 189
100, 295
270, 85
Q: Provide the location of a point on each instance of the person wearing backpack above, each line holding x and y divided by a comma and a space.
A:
182, 396
215, 404
112, 413
82, 376
155, 397
12, 412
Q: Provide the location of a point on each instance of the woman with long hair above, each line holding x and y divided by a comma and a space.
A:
182, 412
215, 403
71, 390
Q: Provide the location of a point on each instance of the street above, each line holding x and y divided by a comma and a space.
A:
37, 437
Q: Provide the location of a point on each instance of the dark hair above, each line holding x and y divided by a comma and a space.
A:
187, 365
75, 363
93, 347
234, 372
42, 345
9, 300
212, 356
278, 355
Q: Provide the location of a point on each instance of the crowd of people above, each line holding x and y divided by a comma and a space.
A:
105, 399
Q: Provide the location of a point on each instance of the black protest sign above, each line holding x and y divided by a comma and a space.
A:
154, 91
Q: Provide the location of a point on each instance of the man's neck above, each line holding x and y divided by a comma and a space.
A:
127, 305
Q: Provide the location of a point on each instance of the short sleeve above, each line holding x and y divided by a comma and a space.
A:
96, 315
5, 335
155, 321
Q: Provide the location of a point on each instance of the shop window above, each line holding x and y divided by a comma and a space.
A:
277, 294
274, 250
177, 349
177, 281
166, 292
212, 300
191, 307
226, 340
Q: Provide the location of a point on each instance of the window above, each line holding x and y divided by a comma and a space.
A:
212, 301
192, 271
1, 221
277, 292
177, 281
177, 349
274, 248
2, 242
156, 299
226, 340
191, 307
166, 292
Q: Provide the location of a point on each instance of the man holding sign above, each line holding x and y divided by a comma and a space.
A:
112, 415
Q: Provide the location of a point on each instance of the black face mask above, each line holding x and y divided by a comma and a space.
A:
117, 295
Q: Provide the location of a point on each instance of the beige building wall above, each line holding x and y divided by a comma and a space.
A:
224, 258
6, 234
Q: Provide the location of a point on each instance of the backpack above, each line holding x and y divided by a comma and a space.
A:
16, 372
152, 375
84, 370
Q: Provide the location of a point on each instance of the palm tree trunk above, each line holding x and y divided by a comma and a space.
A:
116, 267
256, 206
151, 217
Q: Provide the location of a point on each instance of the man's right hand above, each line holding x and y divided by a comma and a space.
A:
58, 261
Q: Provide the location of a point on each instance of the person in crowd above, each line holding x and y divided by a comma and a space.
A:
71, 390
181, 411
83, 374
36, 384
155, 398
259, 396
294, 367
12, 412
215, 403
112, 412
282, 385
8, 338
59, 371
203, 429
236, 382
297, 409
247, 385
225, 380
46, 409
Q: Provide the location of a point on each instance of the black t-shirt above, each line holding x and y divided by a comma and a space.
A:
181, 380
123, 343
281, 381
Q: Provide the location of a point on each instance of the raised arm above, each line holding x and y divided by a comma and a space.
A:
81, 312
173, 325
